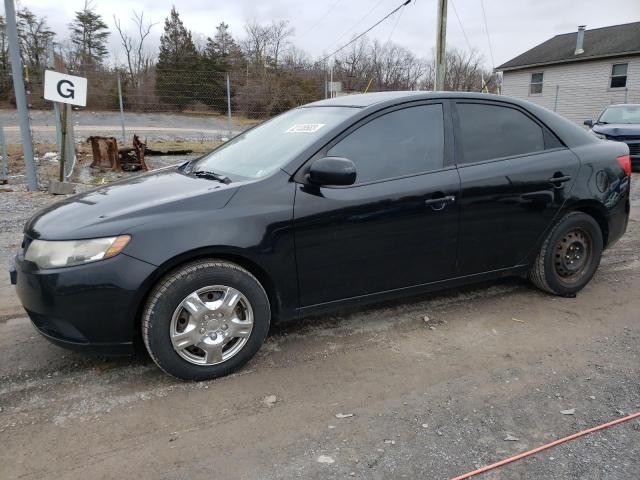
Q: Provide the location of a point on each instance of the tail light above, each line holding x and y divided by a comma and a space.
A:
625, 162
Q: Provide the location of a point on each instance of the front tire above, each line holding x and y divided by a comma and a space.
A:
205, 319
569, 256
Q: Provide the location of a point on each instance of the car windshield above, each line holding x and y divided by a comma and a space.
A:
271, 145
621, 114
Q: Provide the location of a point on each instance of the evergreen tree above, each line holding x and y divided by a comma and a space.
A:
89, 34
222, 47
178, 57
34, 36
220, 55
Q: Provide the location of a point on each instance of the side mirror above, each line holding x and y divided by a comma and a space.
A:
332, 171
588, 122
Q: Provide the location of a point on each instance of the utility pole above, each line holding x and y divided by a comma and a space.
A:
441, 44
21, 97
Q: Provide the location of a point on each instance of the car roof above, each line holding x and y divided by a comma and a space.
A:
570, 134
363, 100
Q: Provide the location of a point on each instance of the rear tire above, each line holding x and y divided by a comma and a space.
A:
569, 256
205, 319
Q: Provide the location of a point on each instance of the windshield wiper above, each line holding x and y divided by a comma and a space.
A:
212, 176
600, 122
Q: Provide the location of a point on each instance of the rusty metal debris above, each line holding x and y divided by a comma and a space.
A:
132, 158
105, 152
107, 155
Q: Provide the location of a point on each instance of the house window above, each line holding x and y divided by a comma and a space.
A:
535, 87
618, 75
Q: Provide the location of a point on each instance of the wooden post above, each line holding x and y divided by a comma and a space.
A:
63, 134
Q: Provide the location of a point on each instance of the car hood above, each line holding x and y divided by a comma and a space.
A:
120, 206
617, 129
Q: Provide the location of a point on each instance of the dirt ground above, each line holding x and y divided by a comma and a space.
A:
428, 400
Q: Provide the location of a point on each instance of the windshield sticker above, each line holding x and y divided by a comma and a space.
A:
305, 128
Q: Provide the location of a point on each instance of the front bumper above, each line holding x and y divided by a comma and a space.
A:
89, 307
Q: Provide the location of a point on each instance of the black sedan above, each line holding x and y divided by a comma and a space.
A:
620, 123
340, 202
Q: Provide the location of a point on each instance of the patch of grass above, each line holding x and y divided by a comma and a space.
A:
235, 119
198, 146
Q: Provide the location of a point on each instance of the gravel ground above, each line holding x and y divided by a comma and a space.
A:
150, 126
429, 399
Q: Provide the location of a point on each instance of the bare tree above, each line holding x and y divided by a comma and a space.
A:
394, 67
4, 45
255, 44
265, 45
353, 65
139, 59
279, 34
297, 59
464, 71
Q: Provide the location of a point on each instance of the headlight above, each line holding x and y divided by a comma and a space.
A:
65, 253
601, 136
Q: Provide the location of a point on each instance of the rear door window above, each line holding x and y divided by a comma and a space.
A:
398, 143
492, 131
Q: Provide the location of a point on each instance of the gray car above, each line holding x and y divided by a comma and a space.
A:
620, 123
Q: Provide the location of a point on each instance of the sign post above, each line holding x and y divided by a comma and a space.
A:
63, 134
66, 89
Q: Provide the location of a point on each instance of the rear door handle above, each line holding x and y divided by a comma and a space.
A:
562, 179
440, 202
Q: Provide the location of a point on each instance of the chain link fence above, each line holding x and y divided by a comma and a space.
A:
253, 94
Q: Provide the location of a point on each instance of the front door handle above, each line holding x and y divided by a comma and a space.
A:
560, 179
439, 203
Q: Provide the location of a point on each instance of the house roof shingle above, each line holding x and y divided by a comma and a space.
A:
599, 42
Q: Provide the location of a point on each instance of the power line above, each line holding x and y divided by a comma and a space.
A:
395, 25
455, 10
407, 2
344, 34
386, 45
486, 29
320, 19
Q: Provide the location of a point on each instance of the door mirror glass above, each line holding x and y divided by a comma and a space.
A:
588, 122
332, 171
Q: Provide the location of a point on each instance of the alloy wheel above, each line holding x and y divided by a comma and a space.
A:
211, 325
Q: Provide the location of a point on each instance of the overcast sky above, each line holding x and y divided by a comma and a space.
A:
323, 25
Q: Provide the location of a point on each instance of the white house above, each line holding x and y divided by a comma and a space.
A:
578, 74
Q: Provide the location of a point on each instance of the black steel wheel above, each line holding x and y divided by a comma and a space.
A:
569, 256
